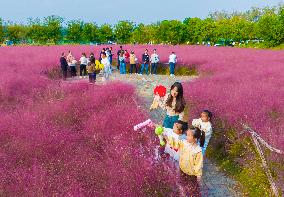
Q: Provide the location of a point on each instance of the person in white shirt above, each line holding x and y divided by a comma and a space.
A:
172, 62
204, 124
172, 137
154, 62
83, 65
107, 66
69, 58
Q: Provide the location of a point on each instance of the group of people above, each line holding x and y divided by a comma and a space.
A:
185, 144
89, 65
124, 58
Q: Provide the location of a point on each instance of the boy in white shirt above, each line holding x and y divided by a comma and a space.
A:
204, 124
172, 62
172, 137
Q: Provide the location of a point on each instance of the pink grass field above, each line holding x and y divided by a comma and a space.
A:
237, 85
72, 139
77, 139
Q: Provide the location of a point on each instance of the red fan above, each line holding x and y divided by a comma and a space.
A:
160, 90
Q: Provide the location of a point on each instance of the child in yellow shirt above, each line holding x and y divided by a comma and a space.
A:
191, 158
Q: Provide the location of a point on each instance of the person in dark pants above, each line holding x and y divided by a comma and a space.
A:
145, 62
64, 65
92, 60
154, 62
133, 61
83, 64
118, 54
110, 55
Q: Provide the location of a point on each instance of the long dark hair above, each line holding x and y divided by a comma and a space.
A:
199, 135
180, 102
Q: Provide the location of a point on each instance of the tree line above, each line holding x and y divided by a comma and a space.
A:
261, 24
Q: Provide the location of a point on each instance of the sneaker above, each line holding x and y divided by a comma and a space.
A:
80, 77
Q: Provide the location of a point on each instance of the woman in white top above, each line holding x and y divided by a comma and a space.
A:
83, 64
107, 66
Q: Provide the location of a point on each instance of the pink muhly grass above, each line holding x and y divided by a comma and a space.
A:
72, 139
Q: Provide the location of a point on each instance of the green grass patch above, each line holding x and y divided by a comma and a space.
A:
237, 156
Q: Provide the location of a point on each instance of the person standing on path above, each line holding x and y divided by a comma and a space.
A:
172, 62
107, 67
127, 56
145, 62
110, 55
64, 65
154, 62
73, 68
69, 57
118, 54
83, 64
174, 104
133, 61
121, 60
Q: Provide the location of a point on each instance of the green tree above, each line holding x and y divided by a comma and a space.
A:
37, 32
53, 28
193, 30
140, 34
106, 33
176, 32
1, 31
16, 33
123, 31
90, 32
270, 28
74, 31
207, 31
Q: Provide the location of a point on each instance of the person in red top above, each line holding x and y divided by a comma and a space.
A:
127, 57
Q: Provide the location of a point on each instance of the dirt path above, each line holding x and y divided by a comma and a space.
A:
214, 182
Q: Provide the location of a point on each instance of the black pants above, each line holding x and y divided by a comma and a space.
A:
118, 63
73, 71
132, 66
83, 69
64, 73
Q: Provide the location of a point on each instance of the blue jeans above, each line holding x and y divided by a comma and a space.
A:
142, 68
110, 59
169, 121
154, 68
122, 68
204, 146
172, 68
